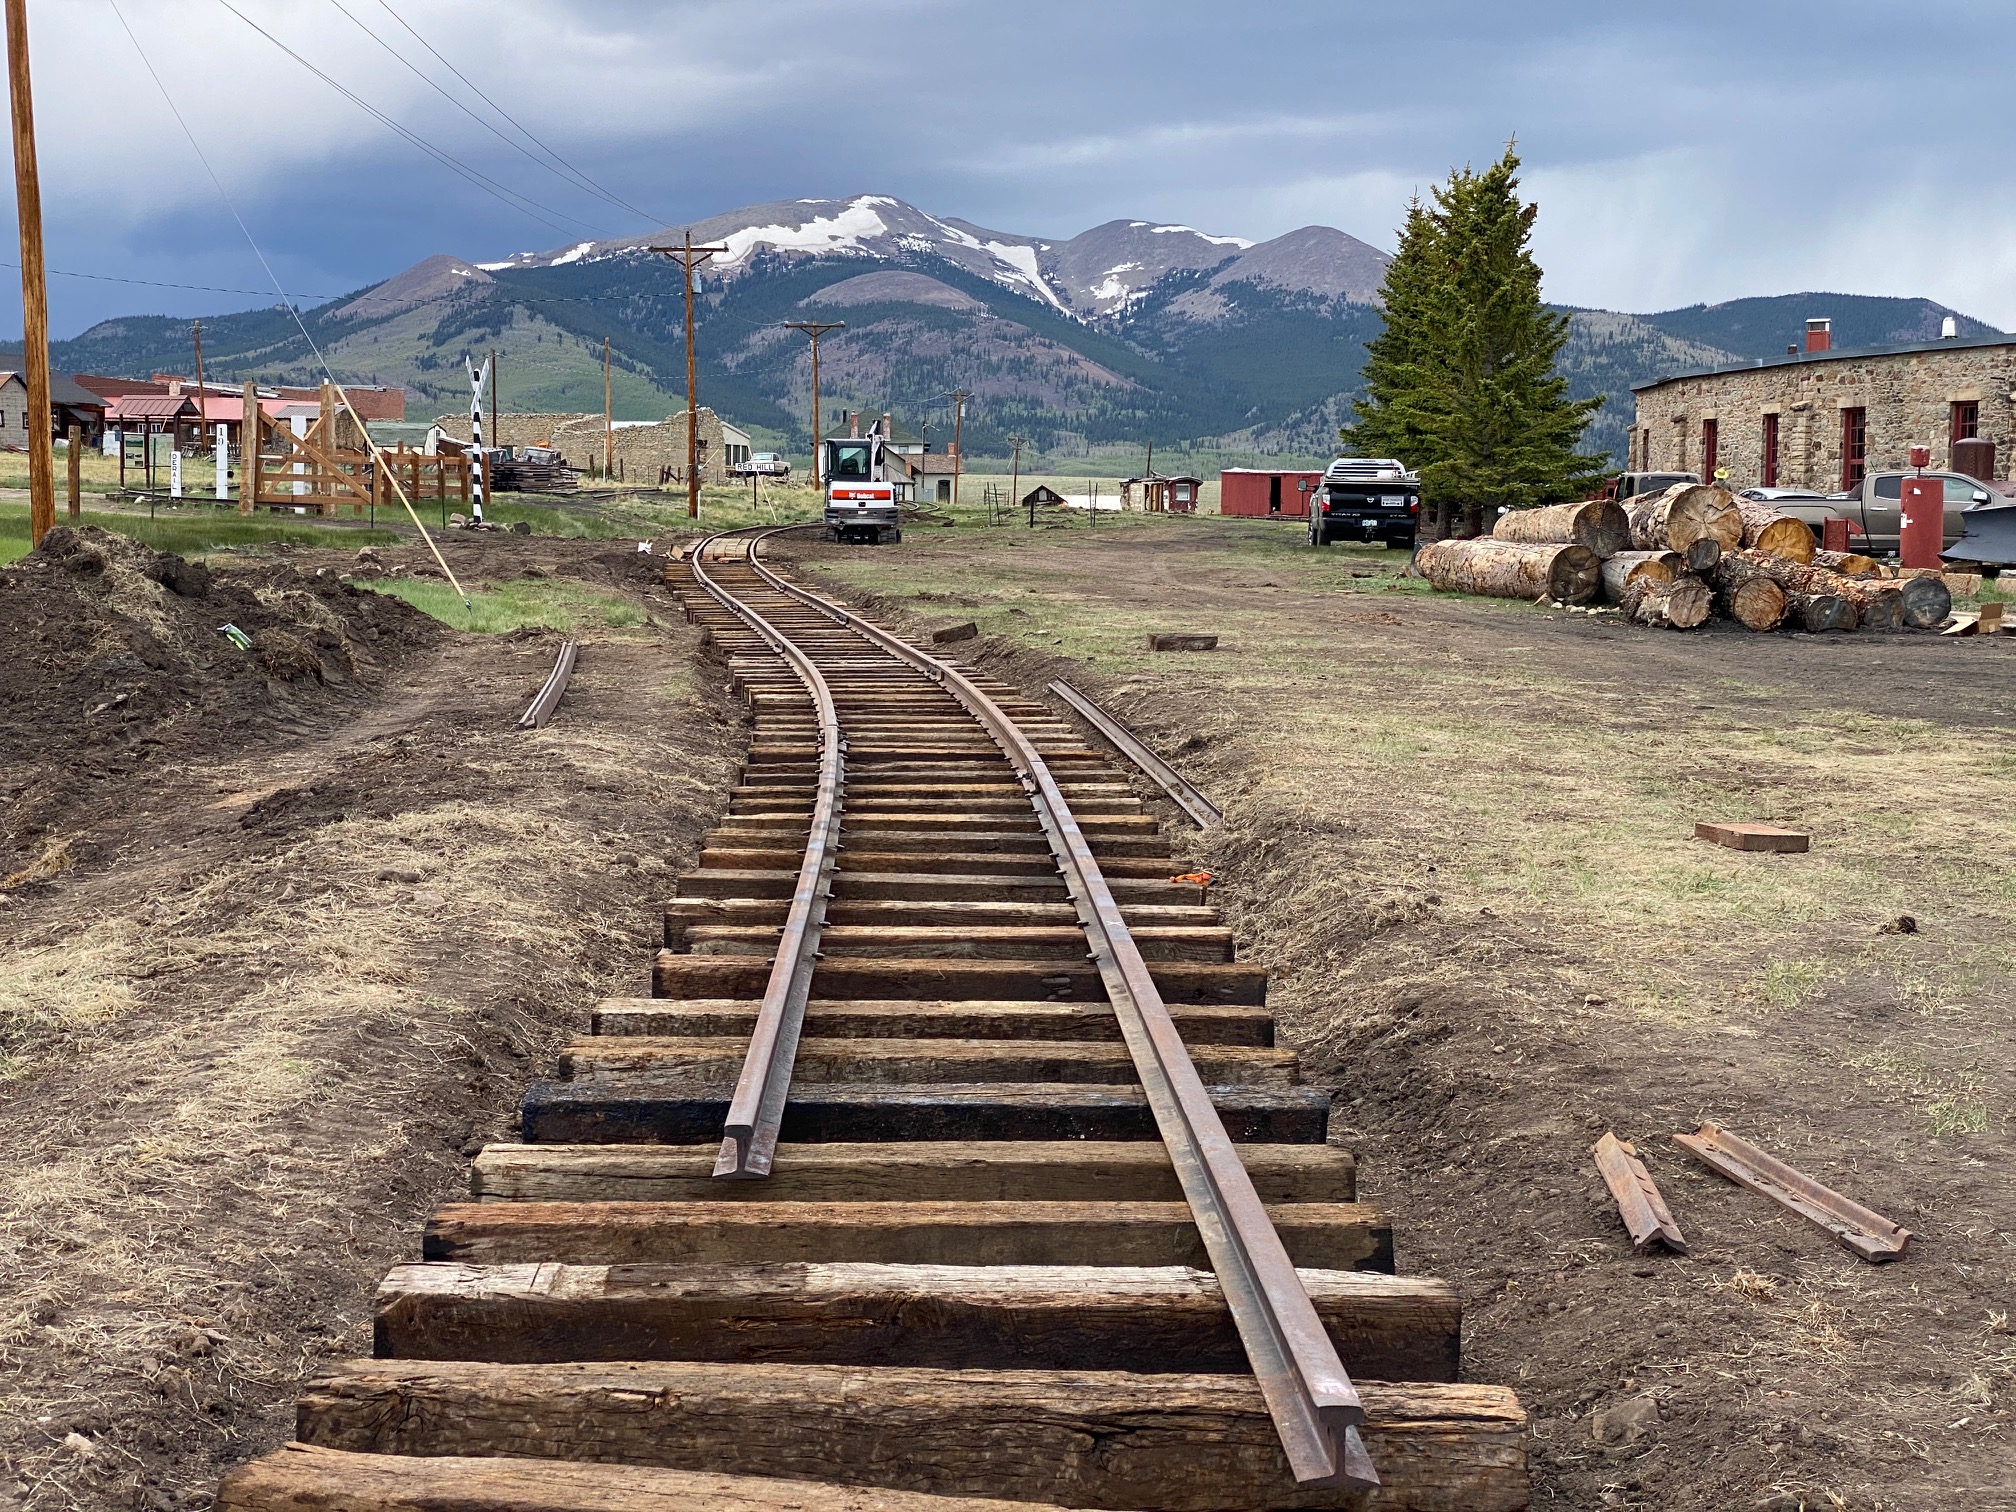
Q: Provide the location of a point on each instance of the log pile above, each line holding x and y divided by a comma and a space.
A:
1678, 558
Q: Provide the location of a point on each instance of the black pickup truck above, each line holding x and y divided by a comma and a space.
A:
1366, 499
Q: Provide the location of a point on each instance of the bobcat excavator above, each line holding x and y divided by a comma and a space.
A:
860, 495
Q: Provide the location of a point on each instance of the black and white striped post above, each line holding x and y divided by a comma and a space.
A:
479, 379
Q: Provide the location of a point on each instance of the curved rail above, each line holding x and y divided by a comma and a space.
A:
1315, 1408
547, 700
1202, 811
756, 1112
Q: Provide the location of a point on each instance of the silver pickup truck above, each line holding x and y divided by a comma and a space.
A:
1874, 510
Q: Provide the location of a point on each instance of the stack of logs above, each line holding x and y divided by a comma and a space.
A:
1676, 558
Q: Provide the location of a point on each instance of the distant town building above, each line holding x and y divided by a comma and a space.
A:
648, 451
1821, 419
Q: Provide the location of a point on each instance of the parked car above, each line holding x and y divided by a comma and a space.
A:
1874, 510
1366, 499
1629, 485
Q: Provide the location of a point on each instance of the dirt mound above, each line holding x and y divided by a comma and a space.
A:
118, 654
116, 645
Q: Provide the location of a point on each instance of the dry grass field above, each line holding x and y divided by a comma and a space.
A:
1459, 831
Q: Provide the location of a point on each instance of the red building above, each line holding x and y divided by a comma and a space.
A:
1262, 491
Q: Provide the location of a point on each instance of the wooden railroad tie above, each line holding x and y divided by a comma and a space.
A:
972, 1278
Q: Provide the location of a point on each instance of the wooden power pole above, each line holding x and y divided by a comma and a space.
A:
815, 329
199, 367
608, 418
690, 257
959, 398
1015, 480
34, 286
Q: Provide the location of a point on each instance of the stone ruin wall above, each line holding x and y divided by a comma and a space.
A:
643, 450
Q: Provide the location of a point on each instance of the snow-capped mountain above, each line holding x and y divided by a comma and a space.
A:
1100, 272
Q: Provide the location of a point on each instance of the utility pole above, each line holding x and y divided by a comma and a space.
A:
34, 286
199, 364
493, 397
608, 420
1015, 485
958, 398
690, 257
815, 329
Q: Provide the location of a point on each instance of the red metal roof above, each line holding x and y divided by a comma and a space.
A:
150, 407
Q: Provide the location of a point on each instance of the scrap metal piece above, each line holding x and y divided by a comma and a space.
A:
1869, 1234
549, 696
1202, 811
1646, 1217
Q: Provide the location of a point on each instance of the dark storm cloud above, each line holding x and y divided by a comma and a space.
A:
1679, 153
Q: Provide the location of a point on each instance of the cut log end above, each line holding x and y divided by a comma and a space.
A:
1676, 604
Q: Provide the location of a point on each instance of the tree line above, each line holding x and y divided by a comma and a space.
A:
1461, 386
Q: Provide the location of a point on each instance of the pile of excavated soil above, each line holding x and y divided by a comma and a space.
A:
117, 645
117, 656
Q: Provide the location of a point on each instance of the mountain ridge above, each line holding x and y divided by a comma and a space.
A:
1128, 332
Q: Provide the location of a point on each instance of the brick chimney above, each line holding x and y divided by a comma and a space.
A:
853, 422
1820, 334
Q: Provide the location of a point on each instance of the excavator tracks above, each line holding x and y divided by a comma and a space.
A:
1049, 1218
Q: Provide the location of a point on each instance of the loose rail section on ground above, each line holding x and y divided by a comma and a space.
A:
1047, 1205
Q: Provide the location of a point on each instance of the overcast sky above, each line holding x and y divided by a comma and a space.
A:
1679, 153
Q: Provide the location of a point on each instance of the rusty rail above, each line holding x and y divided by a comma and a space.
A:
1202, 811
1315, 1408
547, 700
756, 1112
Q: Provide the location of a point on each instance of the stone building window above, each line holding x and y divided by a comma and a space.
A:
1770, 479
1965, 421
1854, 446
1645, 450
1711, 439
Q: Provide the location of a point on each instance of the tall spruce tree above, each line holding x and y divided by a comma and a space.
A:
1461, 385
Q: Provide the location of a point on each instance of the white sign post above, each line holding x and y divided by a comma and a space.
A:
175, 473
223, 462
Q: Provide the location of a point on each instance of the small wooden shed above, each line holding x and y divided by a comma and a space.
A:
1159, 494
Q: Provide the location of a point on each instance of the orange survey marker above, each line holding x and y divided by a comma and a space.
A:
1201, 878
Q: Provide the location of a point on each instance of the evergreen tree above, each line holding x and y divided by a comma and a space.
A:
1461, 385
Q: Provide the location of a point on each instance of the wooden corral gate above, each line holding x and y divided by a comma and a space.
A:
280, 470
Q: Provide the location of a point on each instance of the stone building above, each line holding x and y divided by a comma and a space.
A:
1820, 419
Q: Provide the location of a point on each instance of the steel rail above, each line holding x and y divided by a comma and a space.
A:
548, 697
1202, 811
1315, 1408
756, 1112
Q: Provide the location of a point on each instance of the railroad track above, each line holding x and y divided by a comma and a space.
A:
952, 1163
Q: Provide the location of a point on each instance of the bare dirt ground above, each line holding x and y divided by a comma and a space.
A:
1459, 831
285, 933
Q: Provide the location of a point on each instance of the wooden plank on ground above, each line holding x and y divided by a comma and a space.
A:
1752, 837
946, 1171
303, 1478
939, 1317
1104, 1439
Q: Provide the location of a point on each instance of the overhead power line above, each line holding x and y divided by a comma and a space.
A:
578, 176
523, 203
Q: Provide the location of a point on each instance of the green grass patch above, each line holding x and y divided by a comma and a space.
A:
503, 607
